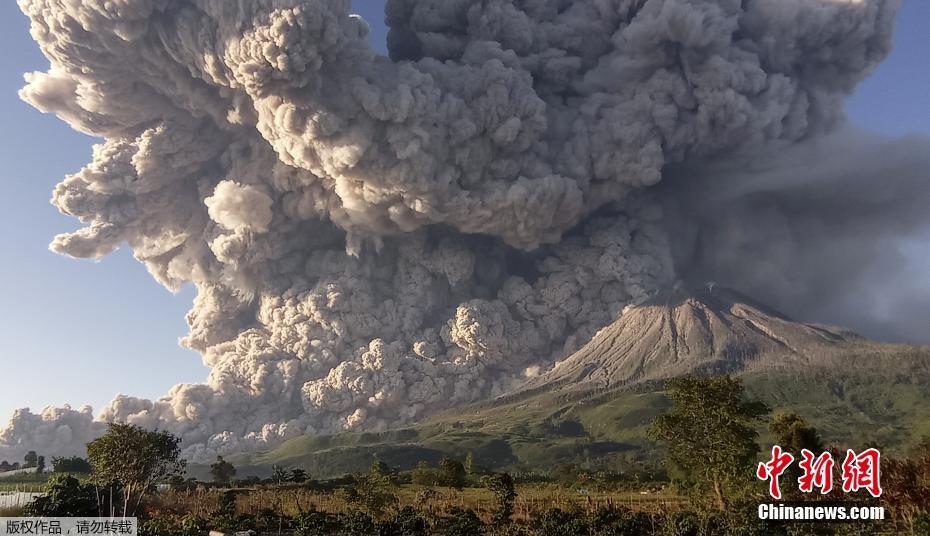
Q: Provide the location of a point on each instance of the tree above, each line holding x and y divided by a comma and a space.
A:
423, 474
40, 464
70, 465
279, 474
298, 476
31, 459
222, 471
65, 496
135, 458
501, 485
452, 473
710, 434
793, 434
470, 463
372, 489
906, 484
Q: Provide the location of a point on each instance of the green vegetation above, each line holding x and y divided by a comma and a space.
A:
222, 471
863, 402
132, 459
711, 420
710, 436
542, 464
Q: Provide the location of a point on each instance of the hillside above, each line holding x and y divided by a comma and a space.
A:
594, 407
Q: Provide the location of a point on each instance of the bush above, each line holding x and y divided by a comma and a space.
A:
459, 522
160, 526
313, 523
70, 465
682, 524
65, 496
451, 473
501, 485
922, 525
357, 523
407, 522
622, 521
193, 525
423, 475
556, 522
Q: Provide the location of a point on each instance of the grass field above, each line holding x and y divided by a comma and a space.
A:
530, 498
32, 482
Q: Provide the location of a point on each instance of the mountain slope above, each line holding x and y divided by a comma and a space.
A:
708, 330
594, 407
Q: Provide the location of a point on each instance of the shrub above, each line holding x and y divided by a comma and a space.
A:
65, 496
459, 522
501, 485
423, 475
556, 522
160, 526
193, 525
682, 524
452, 473
622, 521
407, 522
357, 523
313, 523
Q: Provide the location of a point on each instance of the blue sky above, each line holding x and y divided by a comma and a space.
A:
80, 332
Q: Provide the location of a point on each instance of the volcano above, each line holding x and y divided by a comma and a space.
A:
601, 399
709, 330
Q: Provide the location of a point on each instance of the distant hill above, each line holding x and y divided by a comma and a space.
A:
593, 408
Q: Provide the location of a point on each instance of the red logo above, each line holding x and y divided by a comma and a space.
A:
859, 471
863, 471
773, 469
818, 472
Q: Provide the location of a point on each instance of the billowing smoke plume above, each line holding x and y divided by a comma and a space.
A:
820, 230
373, 238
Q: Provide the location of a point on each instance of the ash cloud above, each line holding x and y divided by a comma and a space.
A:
832, 230
375, 238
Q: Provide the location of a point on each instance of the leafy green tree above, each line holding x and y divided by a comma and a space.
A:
279, 474
135, 458
70, 465
40, 464
793, 434
298, 476
372, 489
65, 496
501, 485
710, 435
451, 473
226, 518
423, 474
30, 459
222, 471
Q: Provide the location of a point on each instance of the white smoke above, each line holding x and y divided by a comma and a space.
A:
373, 238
